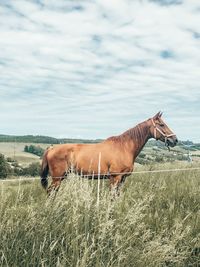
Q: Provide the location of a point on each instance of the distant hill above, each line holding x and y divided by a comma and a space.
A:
52, 140
43, 139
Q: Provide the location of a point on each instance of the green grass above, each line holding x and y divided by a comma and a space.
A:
155, 222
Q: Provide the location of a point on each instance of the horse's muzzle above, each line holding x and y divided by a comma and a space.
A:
172, 141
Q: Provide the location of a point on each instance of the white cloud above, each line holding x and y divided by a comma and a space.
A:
94, 69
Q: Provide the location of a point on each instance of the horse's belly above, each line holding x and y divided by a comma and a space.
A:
91, 165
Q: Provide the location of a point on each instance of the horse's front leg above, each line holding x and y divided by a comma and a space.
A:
115, 182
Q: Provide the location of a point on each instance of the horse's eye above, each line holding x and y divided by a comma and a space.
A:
161, 124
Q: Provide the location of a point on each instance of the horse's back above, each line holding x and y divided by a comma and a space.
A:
62, 151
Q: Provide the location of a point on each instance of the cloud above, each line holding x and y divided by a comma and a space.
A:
95, 68
168, 2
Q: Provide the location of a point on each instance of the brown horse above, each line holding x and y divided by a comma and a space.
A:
113, 158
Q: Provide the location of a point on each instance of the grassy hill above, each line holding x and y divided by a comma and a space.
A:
155, 222
16, 152
43, 139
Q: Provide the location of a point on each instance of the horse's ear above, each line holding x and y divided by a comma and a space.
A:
158, 115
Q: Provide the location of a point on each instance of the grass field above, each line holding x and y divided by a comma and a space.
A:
16, 151
155, 222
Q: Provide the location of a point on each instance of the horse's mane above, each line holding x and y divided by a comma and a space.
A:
139, 133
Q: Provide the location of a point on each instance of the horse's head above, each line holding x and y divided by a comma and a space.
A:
160, 131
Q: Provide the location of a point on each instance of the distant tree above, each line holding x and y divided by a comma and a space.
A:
32, 170
36, 150
9, 159
18, 171
142, 155
31, 149
159, 158
5, 168
26, 148
182, 157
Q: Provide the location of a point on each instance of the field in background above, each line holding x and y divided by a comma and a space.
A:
16, 152
155, 222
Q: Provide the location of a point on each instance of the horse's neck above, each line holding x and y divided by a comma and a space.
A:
139, 136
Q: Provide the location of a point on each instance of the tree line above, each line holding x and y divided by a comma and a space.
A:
36, 150
43, 139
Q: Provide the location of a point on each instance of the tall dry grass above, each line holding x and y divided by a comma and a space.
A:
155, 222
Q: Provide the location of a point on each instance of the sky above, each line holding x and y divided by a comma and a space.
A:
93, 69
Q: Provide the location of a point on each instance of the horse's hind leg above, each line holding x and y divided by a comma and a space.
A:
54, 186
58, 173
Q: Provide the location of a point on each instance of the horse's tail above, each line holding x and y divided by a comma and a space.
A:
44, 171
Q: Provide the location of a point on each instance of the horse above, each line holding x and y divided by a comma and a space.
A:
113, 158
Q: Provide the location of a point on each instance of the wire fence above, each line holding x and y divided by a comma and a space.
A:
106, 175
